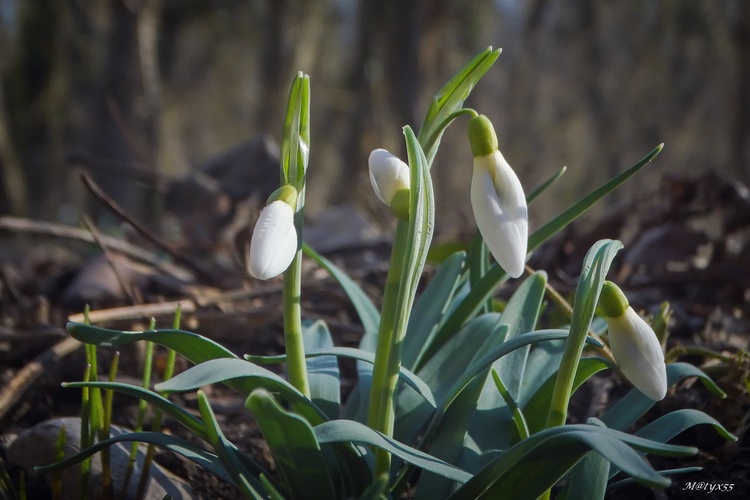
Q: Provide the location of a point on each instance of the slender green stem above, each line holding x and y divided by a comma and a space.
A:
108, 399
85, 434
148, 364
595, 267
158, 413
387, 355
293, 341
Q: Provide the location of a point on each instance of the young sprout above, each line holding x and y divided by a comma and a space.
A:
274, 241
634, 344
497, 199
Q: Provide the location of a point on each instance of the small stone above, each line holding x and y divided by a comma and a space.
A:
37, 446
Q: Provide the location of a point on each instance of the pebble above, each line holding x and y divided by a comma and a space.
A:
37, 446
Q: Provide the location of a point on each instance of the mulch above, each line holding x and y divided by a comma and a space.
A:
687, 242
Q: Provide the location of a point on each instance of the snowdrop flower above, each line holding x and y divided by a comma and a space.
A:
274, 241
388, 175
497, 199
634, 344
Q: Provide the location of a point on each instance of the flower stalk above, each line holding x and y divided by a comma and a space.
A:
413, 204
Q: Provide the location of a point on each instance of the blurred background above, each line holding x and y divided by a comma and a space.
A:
150, 94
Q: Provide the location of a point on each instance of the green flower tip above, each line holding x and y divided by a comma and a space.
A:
482, 136
612, 301
285, 193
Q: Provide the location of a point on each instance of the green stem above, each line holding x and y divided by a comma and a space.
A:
564, 382
293, 341
388, 351
595, 267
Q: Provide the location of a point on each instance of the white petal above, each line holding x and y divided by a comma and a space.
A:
637, 351
274, 241
500, 211
388, 175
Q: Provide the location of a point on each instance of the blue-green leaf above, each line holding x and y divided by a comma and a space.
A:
534, 465
450, 99
230, 456
192, 452
322, 371
243, 376
191, 345
537, 406
635, 404
295, 448
366, 357
366, 310
338, 431
192, 423
431, 307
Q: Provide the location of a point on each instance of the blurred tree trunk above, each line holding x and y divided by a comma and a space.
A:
122, 138
740, 132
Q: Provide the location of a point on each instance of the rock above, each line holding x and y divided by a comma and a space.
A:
37, 446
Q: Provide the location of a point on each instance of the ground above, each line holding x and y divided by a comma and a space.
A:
687, 242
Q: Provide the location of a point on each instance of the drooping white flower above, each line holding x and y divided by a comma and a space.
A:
388, 175
498, 200
634, 344
274, 241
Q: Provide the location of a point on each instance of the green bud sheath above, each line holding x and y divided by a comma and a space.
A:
612, 301
285, 193
400, 203
482, 136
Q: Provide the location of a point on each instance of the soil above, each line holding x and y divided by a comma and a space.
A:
687, 243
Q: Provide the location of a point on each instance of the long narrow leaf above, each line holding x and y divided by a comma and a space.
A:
535, 464
248, 483
191, 345
431, 307
366, 310
537, 407
244, 377
323, 371
294, 446
194, 424
450, 99
339, 431
407, 376
635, 404
192, 452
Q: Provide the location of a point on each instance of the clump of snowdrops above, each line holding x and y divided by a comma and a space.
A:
473, 398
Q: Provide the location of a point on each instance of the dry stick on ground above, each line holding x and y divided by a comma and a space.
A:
130, 291
108, 202
22, 225
18, 385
